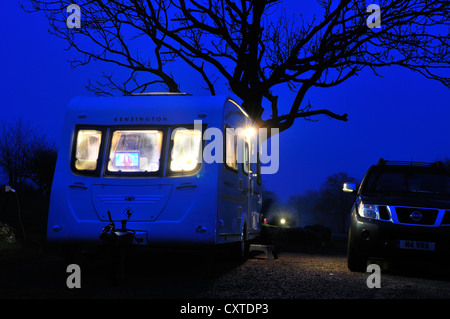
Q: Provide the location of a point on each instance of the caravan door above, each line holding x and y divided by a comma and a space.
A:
253, 194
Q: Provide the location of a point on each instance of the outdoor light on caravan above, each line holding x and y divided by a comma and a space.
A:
145, 166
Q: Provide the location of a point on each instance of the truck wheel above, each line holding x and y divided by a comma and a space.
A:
356, 261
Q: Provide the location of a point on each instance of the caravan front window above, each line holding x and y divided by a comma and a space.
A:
186, 150
135, 151
87, 149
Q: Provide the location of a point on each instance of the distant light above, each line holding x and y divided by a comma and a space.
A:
282, 221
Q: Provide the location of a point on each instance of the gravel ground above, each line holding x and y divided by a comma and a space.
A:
306, 276
190, 275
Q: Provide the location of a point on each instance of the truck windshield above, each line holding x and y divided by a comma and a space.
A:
135, 151
410, 182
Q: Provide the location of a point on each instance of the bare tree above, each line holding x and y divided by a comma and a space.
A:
333, 202
15, 147
255, 46
306, 205
445, 162
42, 166
22, 149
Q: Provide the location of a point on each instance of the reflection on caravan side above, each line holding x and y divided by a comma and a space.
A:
170, 183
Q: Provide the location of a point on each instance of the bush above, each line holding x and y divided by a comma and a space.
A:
7, 234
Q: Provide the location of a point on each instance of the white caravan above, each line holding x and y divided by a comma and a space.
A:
147, 161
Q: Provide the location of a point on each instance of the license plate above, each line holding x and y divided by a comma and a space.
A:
416, 245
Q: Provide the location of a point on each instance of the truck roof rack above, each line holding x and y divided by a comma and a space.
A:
160, 94
383, 162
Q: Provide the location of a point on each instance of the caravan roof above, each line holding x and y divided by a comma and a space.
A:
147, 109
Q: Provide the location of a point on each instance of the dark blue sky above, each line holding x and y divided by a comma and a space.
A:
400, 116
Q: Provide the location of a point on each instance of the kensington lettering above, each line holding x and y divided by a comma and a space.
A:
140, 119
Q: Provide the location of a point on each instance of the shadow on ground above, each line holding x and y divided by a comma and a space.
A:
31, 272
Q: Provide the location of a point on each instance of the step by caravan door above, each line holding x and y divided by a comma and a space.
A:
138, 203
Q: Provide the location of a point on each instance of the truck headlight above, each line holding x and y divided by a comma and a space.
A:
369, 211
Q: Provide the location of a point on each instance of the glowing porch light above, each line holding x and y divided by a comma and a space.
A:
249, 132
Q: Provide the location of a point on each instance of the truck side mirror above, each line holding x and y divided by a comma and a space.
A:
349, 188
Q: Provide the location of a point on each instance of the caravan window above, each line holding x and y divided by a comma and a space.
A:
135, 151
87, 150
186, 150
230, 149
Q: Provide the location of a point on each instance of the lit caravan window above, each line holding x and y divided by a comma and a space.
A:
230, 148
186, 150
87, 149
135, 151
